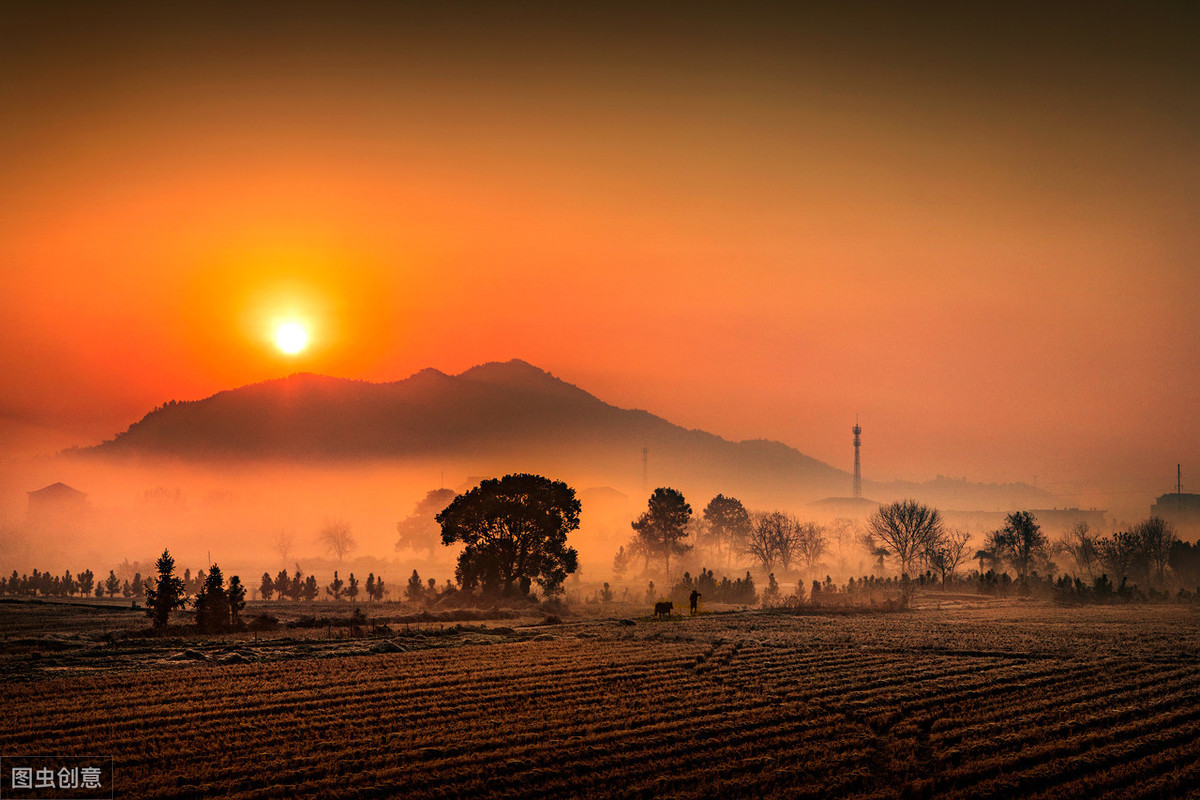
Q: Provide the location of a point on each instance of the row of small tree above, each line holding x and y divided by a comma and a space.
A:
46, 584
301, 587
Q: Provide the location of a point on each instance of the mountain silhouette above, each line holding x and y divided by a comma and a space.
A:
501, 414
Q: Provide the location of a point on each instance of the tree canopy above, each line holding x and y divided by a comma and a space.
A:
515, 531
728, 523
1022, 542
663, 526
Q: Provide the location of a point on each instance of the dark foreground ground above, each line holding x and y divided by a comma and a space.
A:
964, 699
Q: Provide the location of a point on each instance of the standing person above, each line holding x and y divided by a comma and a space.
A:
695, 597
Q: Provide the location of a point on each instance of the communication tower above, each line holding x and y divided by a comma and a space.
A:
645, 469
857, 467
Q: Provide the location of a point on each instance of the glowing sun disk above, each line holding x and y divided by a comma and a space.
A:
291, 337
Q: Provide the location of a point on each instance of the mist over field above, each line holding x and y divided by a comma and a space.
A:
229, 478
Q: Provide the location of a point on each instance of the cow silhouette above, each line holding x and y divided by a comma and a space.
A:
664, 608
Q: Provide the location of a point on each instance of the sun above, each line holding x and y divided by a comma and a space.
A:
291, 337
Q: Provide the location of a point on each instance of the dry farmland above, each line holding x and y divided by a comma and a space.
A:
969, 699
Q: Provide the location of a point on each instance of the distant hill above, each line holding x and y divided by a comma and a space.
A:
496, 413
496, 418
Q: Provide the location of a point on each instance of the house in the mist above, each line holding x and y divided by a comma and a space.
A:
1181, 510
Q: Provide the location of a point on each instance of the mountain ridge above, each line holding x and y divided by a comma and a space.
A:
484, 413
493, 417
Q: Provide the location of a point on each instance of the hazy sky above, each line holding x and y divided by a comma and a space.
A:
975, 228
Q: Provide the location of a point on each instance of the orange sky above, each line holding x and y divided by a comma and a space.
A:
976, 229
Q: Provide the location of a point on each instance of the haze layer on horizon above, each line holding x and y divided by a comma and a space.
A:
974, 228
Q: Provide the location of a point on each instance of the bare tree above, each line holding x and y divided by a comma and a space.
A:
1083, 547
768, 540
949, 553
283, 541
841, 531
906, 529
1155, 539
337, 539
811, 542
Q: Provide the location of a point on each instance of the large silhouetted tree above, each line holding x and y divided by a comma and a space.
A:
663, 526
1023, 543
515, 531
164, 593
906, 529
728, 523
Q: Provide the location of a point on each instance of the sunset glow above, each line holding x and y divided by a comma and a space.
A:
969, 228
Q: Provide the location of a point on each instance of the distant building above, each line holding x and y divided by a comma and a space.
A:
1062, 520
1181, 510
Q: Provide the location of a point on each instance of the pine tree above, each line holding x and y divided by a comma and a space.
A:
334, 589
352, 587
415, 590
283, 585
162, 595
266, 588
212, 603
237, 601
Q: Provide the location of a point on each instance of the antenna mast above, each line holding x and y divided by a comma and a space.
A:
857, 486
